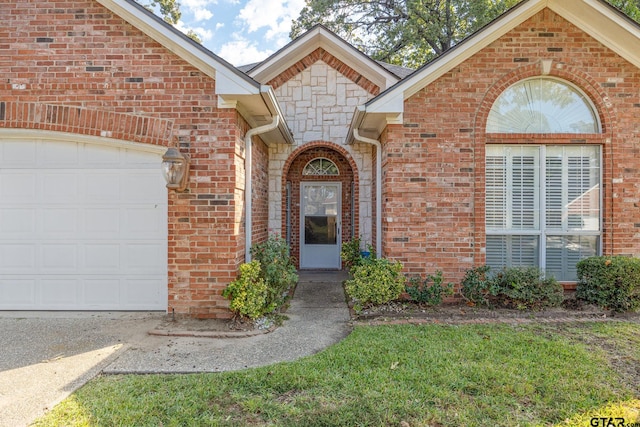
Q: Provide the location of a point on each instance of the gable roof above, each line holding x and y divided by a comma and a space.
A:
597, 18
234, 88
320, 36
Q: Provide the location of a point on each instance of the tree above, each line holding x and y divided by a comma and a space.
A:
170, 12
630, 7
403, 32
410, 32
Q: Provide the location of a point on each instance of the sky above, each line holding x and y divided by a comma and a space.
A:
240, 31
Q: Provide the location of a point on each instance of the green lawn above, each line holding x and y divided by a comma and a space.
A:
430, 375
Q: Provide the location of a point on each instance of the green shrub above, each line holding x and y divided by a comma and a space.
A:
375, 281
475, 285
248, 293
525, 288
430, 291
351, 252
277, 268
610, 282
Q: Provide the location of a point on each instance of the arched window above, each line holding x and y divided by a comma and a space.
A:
542, 105
542, 201
320, 166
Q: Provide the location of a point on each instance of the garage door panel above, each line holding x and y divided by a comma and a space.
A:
139, 290
16, 293
102, 223
17, 223
82, 227
101, 257
60, 155
144, 222
102, 157
18, 186
102, 186
102, 292
59, 187
60, 293
60, 222
59, 258
139, 258
18, 154
17, 258
138, 160
142, 187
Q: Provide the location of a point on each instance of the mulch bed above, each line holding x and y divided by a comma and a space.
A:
408, 312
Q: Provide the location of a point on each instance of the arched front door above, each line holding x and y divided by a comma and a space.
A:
319, 206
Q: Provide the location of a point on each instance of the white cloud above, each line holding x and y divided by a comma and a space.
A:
198, 8
205, 34
219, 25
274, 15
242, 51
202, 14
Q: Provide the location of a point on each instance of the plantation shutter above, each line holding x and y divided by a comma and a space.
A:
515, 191
572, 188
512, 188
564, 252
572, 183
496, 195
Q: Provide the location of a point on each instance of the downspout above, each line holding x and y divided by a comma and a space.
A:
376, 143
248, 168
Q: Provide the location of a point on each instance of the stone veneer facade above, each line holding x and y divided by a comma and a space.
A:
318, 104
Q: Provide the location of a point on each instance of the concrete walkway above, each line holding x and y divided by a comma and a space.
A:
47, 356
318, 317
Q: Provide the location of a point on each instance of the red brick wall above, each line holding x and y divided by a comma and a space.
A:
260, 183
434, 163
122, 84
293, 169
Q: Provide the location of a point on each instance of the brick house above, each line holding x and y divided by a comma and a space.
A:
517, 147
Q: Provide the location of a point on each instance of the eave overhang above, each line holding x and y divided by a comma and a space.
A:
234, 88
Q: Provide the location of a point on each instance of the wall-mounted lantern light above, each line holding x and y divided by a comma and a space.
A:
175, 168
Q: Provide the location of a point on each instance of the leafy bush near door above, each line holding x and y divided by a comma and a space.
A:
277, 268
248, 293
263, 284
375, 281
351, 252
611, 282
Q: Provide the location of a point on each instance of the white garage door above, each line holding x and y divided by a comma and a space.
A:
82, 227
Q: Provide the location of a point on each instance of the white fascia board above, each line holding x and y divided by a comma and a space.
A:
228, 79
389, 101
603, 24
273, 105
316, 38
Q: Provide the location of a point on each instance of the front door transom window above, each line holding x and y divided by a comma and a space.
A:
320, 167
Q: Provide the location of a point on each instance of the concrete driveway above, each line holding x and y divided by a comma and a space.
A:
45, 356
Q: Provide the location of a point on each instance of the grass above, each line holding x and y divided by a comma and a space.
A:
430, 375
